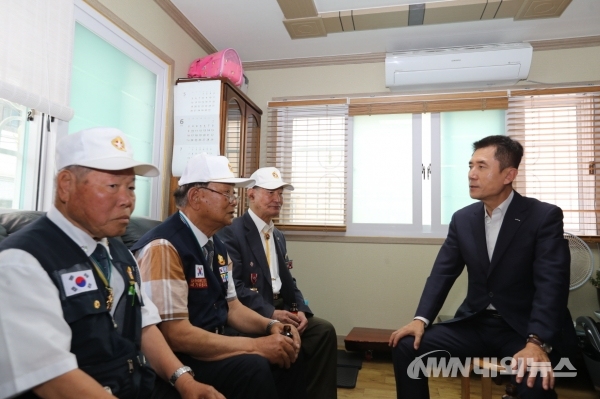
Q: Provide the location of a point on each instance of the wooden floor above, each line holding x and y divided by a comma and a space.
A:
376, 380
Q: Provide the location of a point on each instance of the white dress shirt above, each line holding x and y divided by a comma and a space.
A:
274, 262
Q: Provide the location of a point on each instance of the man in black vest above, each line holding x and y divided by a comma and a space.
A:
74, 319
264, 283
187, 273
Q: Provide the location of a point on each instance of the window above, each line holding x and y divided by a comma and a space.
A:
409, 171
560, 136
308, 145
116, 82
15, 146
408, 156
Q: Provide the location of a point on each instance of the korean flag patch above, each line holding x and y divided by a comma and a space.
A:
199, 271
78, 282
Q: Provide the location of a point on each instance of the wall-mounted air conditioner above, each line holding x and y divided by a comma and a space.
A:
477, 66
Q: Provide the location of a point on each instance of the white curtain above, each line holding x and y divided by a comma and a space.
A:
36, 45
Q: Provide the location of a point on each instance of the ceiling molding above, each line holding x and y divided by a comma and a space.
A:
302, 28
389, 17
540, 45
315, 61
442, 12
293, 9
542, 9
559, 44
508, 8
186, 25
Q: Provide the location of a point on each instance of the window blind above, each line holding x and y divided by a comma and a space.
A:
307, 142
36, 55
429, 103
560, 131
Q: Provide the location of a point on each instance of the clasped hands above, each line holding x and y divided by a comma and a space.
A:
279, 349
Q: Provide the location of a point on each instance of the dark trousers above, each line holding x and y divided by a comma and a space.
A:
319, 346
249, 377
481, 336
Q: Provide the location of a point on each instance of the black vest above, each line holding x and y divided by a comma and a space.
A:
110, 355
207, 286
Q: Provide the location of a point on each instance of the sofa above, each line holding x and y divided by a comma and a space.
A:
14, 221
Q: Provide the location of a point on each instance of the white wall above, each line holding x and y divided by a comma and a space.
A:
148, 19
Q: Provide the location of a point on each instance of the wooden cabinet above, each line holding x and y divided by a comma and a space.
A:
239, 125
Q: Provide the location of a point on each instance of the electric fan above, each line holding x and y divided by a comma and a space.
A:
582, 261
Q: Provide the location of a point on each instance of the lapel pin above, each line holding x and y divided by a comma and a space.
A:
518, 220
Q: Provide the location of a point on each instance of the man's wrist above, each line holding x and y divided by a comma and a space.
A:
270, 326
178, 373
534, 339
424, 320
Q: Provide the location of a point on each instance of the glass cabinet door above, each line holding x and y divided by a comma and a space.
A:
252, 140
233, 135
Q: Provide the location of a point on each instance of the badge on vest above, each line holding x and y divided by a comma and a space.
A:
224, 273
199, 271
197, 283
78, 282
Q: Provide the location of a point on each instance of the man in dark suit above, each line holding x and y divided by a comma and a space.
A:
518, 282
261, 271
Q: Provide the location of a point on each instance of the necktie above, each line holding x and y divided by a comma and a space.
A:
100, 254
209, 253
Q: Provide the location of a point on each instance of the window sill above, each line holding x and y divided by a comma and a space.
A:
365, 240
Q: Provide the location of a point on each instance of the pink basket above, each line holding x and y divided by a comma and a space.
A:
225, 63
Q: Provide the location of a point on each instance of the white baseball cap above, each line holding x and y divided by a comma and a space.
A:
270, 179
204, 168
104, 148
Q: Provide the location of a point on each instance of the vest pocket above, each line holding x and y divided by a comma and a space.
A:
128, 377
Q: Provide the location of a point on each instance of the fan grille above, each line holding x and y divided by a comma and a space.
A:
582, 261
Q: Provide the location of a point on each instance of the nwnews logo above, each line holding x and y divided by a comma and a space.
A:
452, 366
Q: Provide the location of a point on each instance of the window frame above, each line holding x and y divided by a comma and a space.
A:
108, 30
361, 105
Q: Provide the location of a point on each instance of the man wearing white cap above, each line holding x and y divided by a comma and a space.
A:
74, 321
261, 270
187, 273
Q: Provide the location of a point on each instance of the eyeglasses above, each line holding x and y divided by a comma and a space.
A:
230, 197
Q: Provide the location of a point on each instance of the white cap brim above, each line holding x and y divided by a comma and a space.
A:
121, 163
275, 186
236, 181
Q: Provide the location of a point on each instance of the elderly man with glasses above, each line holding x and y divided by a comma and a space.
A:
187, 274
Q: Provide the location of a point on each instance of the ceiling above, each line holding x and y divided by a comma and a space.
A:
256, 30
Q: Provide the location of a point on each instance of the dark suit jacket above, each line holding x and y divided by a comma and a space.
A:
527, 280
245, 249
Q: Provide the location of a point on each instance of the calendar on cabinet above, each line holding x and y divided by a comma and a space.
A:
196, 121
214, 116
